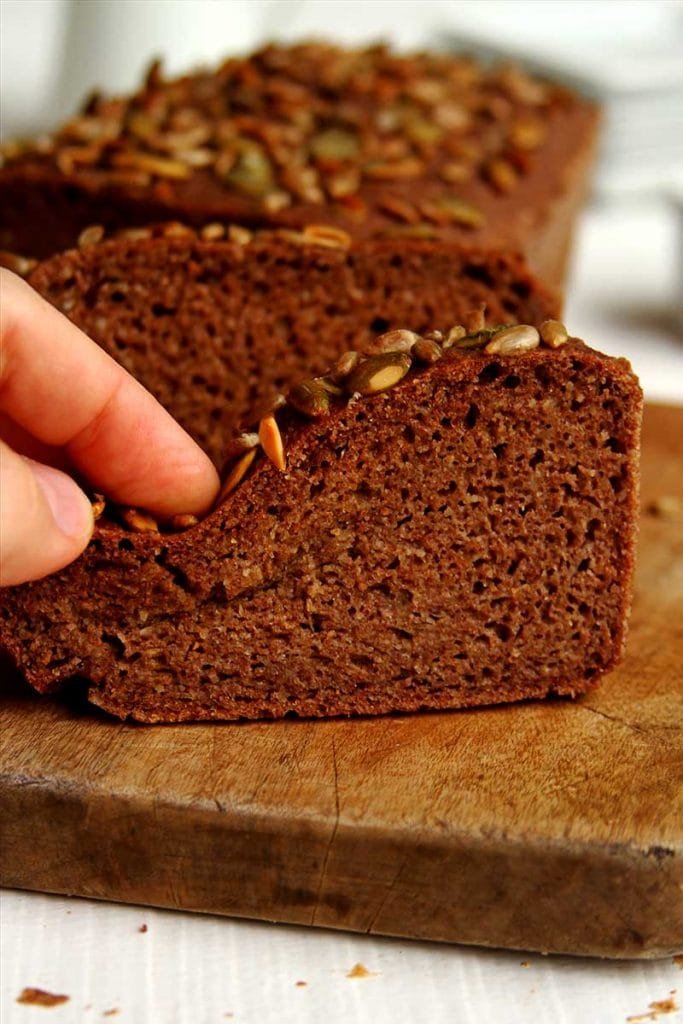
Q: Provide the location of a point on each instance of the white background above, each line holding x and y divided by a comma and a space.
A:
623, 297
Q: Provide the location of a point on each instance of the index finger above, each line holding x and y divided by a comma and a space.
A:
64, 390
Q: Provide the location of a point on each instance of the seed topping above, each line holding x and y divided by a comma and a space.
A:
90, 236
344, 365
183, 521
394, 341
553, 333
98, 503
236, 475
271, 442
310, 398
378, 373
138, 521
314, 124
521, 338
426, 351
20, 265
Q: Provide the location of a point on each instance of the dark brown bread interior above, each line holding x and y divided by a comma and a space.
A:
384, 145
463, 538
216, 329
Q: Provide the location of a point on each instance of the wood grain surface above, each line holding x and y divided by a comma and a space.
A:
554, 826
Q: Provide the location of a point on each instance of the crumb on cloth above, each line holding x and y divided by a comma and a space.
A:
657, 1008
39, 997
360, 971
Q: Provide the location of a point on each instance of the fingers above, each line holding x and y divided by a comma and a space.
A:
60, 387
45, 519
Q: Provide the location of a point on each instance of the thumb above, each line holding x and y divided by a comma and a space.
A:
45, 519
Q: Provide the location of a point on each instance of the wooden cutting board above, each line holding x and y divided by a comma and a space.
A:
551, 826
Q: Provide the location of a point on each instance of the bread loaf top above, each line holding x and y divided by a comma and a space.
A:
381, 144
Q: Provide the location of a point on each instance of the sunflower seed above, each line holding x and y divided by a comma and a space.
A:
400, 209
134, 234
394, 341
239, 235
451, 210
183, 521
521, 338
162, 167
343, 184
98, 503
90, 236
528, 134
327, 235
212, 232
455, 172
20, 265
273, 202
410, 167
501, 174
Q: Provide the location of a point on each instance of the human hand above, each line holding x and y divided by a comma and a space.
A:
65, 402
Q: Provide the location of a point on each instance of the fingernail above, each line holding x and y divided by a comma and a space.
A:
70, 508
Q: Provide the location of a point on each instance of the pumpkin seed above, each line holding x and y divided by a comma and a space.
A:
344, 365
553, 333
455, 334
426, 351
310, 398
334, 144
252, 173
378, 373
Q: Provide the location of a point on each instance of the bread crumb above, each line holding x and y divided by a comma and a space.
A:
657, 1008
111, 1013
301, 984
39, 997
360, 971
142, 928
524, 963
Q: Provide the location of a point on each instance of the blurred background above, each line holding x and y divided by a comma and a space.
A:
625, 291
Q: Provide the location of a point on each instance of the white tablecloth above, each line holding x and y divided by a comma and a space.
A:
188, 968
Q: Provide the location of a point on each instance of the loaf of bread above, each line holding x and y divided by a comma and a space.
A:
385, 146
217, 324
448, 521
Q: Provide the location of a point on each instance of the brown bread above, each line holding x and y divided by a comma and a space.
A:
457, 529
383, 145
216, 328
